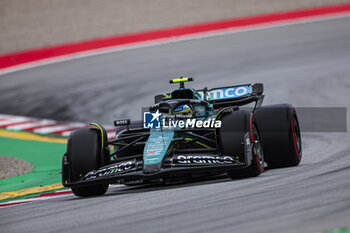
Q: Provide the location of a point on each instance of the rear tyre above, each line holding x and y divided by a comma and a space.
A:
84, 154
280, 133
235, 128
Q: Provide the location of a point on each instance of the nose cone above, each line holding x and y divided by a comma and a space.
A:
155, 149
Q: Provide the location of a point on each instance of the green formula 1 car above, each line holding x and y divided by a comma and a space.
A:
186, 134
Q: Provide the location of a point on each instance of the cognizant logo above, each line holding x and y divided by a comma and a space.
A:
227, 92
154, 120
230, 92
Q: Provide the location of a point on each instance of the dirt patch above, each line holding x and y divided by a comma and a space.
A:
10, 167
36, 23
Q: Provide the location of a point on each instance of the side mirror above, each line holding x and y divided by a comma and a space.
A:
258, 88
159, 98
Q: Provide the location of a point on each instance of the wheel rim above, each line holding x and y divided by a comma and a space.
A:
297, 137
257, 149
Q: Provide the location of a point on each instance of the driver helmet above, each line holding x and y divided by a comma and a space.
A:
183, 110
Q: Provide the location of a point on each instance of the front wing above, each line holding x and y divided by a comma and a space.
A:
178, 164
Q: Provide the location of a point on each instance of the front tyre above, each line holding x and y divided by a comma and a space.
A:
84, 154
238, 127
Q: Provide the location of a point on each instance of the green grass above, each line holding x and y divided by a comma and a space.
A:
45, 156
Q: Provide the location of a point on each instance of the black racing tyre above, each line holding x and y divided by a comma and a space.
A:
84, 154
280, 133
235, 127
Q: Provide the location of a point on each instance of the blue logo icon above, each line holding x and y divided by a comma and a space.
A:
151, 120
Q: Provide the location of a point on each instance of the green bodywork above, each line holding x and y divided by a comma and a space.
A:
159, 142
157, 146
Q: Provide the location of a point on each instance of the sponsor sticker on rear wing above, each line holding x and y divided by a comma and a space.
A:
226, 93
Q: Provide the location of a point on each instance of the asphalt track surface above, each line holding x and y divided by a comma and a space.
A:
304, 64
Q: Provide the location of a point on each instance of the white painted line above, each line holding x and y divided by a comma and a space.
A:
58, 128
31, 125
56, 194
13, 121
46, 126
30, 200
37, 198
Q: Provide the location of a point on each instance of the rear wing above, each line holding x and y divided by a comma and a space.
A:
233, 95
225, 96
